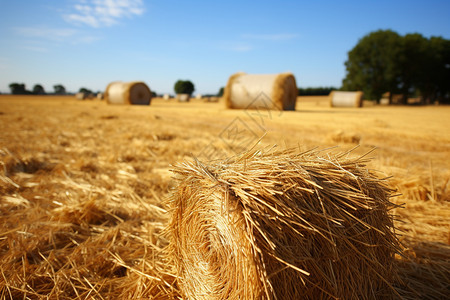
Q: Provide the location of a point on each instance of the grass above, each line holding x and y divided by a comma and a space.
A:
82, 185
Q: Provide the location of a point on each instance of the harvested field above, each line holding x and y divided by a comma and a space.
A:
83, 186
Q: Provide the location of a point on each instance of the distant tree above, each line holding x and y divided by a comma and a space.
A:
18, 88
184, 87
439, 78
315, 91
411, 65
59, 89
373, 65
85, 91
414, 66
38, 89
220, 93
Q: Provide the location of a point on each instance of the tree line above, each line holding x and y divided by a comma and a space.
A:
38, 89
410, 65
315, 91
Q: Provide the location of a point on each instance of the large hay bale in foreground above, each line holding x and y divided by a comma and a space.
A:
346, 99
280, 225
134, 92
261, 91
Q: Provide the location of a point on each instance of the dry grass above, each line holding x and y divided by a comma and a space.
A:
82, 186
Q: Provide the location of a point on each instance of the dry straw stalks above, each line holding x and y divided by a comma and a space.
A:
279, 225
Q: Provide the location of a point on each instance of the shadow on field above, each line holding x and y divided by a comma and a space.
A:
425, 271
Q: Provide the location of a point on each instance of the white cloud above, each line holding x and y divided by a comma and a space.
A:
46, 32
35, 48
38, 36
101, 13
271, 37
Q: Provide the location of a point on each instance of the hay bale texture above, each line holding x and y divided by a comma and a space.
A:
281, 225
134, 92
346, 99
256, 91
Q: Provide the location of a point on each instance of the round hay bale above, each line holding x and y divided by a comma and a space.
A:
253, 91
183, 97
346, 99
281, 225
80, 96
135, 92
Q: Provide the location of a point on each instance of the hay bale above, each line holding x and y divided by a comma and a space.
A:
280, 225
341, 136
166, 97
81, 96
135, 92
279, 91
183, 97
346, 99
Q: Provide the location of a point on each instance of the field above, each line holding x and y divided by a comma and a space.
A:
83, 185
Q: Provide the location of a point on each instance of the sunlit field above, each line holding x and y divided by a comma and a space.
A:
83, 185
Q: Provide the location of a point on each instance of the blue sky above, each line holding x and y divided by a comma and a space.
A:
89, 43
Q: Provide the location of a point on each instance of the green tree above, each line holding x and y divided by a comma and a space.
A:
315, 91
17, 88
220, 93
38, 89
440, 65
372, 65
59, 89
184, 87
85, 91
414, 66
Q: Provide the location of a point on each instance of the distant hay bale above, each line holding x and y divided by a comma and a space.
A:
341, 136
99, 96
198, 96
135, 92
280, 225
81, 96
166, 97
269, 91
346, 99
183, 97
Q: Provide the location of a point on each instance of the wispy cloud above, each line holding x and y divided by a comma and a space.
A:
56, 34
39, 49
271, 37
103, 13
43, 38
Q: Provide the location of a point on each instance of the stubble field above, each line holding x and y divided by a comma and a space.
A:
83, 185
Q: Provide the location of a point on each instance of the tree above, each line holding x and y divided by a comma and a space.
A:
38, 89
85, 91
315, 91
440, 64
59, 89
414, 66
184, 87
17, 88
372, 65
220, 93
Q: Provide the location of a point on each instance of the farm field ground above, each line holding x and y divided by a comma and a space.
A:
83, 185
